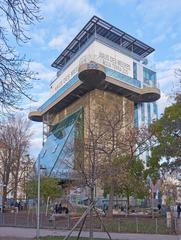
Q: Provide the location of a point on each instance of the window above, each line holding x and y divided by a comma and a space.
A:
149, 77
136, 115
134, 70
149, 113
55, 154
155, 109
142, 112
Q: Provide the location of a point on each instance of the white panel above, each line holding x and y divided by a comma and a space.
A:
114, 59
146, 114
99, 53
139, 115
140, 72
71, 71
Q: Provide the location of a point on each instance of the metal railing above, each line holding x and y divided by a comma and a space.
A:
130, 224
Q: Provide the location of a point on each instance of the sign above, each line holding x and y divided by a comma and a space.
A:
114, 63
98, 53
92, 66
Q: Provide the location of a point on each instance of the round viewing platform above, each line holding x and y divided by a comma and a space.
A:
150, 94
92, 74
35, 116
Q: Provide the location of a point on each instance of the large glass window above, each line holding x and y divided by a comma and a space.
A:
57, 154
136, 115
149, 77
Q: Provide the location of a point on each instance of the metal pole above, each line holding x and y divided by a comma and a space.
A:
137, 230
1, 198
38, 203
156, 222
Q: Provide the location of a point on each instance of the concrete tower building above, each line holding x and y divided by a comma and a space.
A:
101, 62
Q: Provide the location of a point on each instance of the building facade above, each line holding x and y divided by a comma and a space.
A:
102, 65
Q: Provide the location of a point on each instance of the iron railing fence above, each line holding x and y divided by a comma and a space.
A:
129, 224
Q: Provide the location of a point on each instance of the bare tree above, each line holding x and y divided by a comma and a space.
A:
15, 140
169, 191
120, 138
15, 74
109, 133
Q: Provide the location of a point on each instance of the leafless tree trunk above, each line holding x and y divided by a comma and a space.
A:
109, 133
14, 143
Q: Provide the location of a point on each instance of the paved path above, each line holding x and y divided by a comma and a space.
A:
12, 233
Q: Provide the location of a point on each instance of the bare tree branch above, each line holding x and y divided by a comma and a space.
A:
15, 74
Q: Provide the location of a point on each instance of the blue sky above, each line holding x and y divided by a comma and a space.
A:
155, 22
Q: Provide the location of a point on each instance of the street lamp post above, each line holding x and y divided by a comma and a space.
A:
38, 202
1, 197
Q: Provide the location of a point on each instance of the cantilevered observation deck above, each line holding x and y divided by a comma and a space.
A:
93, 73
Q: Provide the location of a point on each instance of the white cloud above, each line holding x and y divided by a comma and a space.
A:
44, 73
41, 90
168, 82
69, 24
36, 140
166, 74
40, 97
161, 17
163, 102
63, 39
64, 8
39, 36
159, 11
41, 93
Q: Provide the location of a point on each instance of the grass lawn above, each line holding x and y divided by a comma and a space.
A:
143, 226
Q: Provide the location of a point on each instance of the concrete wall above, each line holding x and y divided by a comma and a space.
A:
92, 100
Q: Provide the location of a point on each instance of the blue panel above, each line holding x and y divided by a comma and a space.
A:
136, 115
65, 163
122, 77
143, 112
149, 113
55, 150
53, 147
155, 109
59, 93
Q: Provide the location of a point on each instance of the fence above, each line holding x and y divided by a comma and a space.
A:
129, 224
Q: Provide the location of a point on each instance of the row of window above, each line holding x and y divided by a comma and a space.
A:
149, 76
122, 77
143, 108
